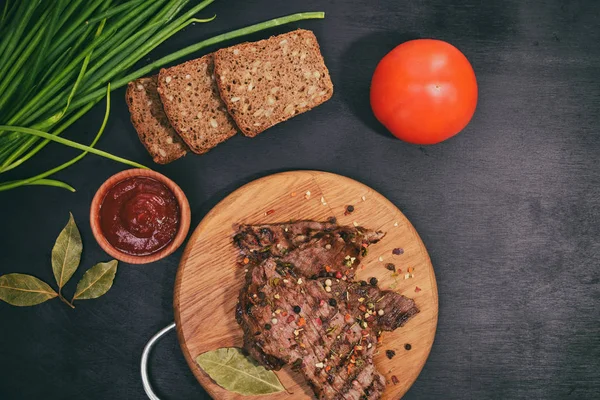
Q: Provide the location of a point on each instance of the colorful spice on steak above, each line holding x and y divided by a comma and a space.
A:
305, 269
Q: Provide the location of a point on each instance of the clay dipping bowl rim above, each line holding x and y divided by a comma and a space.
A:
184, 220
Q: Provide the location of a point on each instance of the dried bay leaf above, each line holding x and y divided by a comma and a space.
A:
66, 253
96, 281
233, 371
24, 290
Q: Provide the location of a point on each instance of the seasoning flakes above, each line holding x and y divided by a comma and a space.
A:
398, 251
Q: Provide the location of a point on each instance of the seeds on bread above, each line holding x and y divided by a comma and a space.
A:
151, 123
192, 104
267, 82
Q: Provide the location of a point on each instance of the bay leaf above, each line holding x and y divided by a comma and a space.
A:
233, 371
96, 281
24, 290
66, 253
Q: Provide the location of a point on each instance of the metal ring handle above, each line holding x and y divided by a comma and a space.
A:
144, 363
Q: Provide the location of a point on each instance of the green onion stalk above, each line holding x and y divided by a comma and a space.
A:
60, 58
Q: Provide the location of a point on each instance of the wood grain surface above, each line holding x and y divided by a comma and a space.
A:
209, 277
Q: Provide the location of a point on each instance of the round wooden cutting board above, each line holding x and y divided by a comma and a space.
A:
209, 279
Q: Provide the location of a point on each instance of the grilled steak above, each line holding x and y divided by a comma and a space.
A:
277, 239
255, 238
292, 320
300, 305
383, 310
313, 248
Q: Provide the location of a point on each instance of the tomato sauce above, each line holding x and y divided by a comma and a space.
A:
139, 216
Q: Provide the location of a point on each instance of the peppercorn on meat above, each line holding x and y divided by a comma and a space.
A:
300, 305
318, 244
288, 321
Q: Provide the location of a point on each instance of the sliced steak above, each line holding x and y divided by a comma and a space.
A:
300, 305
328, 256
292, 320
277, 239
313, 248
383, 310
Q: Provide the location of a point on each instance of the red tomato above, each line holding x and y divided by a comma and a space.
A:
424, 91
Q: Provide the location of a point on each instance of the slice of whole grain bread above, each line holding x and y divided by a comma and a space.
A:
267, 82
151, 123
192, 104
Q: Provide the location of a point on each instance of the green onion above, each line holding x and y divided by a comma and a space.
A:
52, 182
64, 126
88, 149
4, 12
70, 143
57, 117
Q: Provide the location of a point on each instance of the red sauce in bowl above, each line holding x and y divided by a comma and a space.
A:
139, 216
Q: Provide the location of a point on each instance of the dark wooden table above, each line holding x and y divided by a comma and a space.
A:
509, 209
